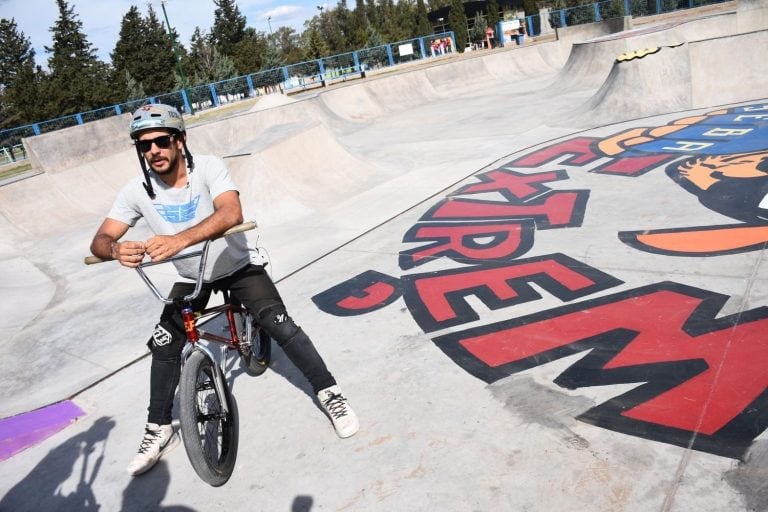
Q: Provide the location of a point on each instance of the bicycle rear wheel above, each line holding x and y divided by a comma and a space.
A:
210, 435
255, 344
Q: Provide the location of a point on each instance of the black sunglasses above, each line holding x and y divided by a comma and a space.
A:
162, 142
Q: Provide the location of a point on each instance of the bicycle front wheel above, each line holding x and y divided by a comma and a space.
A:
210, 434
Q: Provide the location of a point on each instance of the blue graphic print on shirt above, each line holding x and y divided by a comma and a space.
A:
178, 213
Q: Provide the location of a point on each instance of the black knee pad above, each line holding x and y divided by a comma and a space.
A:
275, 320
167, 341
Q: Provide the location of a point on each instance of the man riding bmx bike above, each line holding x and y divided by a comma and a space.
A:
186, 202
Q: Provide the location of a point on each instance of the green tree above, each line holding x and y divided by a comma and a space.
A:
249, 52
312, 42
554, 15
405, 20
272, 58
129, 47
288, 42
372, 14
388, 24
493, 13
457, 19
19, 77
159, 70
15, 51
374, 38
78, 81
438, 4
337, 28
423, 26
144, 53
531, 9
479, 24
20, 103
358, 25
614, 9
585, 12
210, 65
199, 53
134, 89
228, 26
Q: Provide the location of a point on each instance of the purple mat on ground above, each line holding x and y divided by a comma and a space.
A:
24, 430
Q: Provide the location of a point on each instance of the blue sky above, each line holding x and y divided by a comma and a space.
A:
101, 18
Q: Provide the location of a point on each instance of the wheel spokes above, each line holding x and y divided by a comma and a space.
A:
210, 418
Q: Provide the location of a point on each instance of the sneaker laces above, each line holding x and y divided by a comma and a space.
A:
150, 438
335, 404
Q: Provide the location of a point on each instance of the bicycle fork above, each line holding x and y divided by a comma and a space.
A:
193, 336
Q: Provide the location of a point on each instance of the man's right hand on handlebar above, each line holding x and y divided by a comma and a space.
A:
129, 253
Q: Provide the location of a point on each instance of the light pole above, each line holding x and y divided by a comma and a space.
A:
320, 8
269, 23
442, 25
179, 65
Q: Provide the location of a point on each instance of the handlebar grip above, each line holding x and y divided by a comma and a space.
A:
245, 226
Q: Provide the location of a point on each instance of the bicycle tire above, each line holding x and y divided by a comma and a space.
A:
255, 345
210, 436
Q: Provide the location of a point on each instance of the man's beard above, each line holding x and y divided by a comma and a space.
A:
172, 164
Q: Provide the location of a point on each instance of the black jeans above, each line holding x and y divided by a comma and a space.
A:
255, 290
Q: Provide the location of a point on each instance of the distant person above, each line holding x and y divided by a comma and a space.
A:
489, 33
186, 202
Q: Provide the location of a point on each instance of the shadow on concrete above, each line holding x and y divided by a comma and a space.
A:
147, 491
302, 503
41, 489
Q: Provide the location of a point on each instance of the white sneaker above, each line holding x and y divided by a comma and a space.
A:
343, 417
158, 440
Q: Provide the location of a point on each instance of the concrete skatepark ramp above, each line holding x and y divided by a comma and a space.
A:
494, 255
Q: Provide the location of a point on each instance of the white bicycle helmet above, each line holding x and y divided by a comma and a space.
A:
156, 115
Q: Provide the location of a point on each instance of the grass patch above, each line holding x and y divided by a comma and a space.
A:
14, 170
212, 114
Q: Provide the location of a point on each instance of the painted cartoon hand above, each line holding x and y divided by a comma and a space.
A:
699, 171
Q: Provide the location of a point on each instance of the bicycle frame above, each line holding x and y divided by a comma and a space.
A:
184, 303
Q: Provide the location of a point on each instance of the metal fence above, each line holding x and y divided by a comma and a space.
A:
10, 154
320, 72
598, 11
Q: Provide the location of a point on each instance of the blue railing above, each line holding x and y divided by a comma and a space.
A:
598, 11
320, 72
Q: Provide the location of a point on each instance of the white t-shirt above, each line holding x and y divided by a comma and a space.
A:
175, 209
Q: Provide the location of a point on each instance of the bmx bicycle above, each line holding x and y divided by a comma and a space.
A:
207, 410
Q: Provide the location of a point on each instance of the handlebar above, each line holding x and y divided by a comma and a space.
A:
203, 253
245, 226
